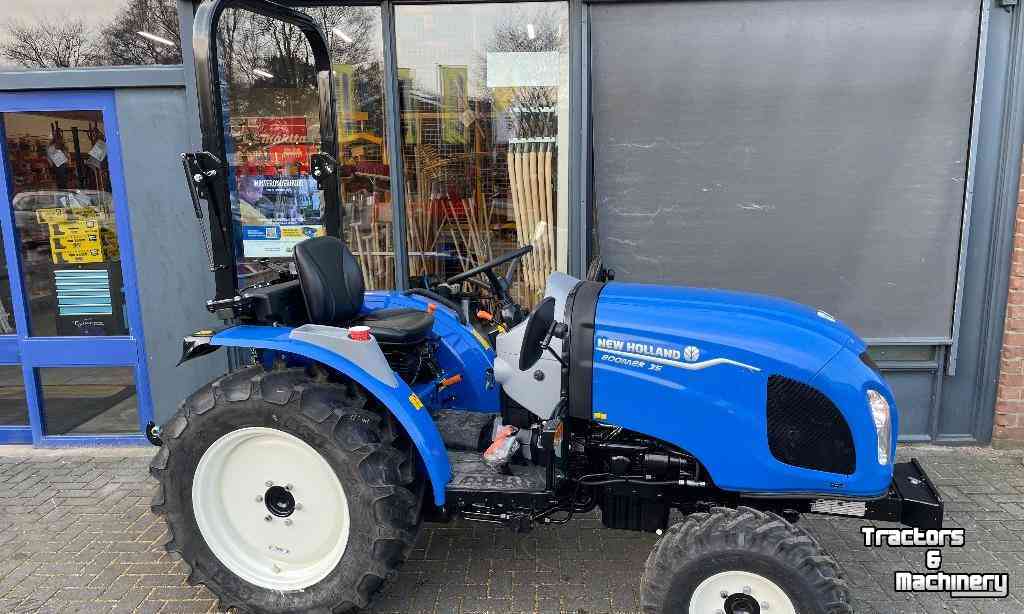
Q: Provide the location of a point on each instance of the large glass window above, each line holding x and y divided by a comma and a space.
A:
89, 400
64, 220
484, 101
273, 122
75, 33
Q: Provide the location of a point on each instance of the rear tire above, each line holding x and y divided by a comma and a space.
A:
736, 561
328, 511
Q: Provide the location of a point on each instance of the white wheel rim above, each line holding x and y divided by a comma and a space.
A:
229, 499
711, 595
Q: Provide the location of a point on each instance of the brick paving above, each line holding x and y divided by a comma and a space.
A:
76, 535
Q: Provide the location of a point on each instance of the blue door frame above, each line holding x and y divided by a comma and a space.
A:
32, 353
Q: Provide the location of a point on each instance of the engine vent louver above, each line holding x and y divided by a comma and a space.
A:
806, 429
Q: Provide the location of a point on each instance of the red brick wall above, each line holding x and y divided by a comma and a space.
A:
1009, 419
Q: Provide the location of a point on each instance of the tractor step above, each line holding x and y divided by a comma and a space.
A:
470, 474
464, 430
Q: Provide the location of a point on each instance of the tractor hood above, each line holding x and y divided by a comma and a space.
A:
714, 372
752, 329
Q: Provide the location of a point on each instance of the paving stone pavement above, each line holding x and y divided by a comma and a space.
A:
76, 535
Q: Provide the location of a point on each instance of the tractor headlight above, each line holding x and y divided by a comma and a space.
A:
883, 424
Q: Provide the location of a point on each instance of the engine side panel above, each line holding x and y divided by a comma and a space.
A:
691, 367
461, 349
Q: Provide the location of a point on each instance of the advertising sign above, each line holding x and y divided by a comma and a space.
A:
276, 212
454, 103
276, 241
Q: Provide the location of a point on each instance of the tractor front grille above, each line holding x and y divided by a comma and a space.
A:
806, 429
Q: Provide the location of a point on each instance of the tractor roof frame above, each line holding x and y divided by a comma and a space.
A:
212, 124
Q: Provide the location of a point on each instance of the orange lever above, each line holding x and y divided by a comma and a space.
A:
431, 307
485, 315
451, 381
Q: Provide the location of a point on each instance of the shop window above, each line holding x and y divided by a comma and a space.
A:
13, 405
64, 223
89, 400
71, 33
484, 110
7, 324
273, 126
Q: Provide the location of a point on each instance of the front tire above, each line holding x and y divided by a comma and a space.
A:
284, 494
741, 561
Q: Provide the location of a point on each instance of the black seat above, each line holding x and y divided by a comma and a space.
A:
333, 288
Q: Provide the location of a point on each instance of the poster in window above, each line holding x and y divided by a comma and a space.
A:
454, 103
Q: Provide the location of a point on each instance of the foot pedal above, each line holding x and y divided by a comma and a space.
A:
471, 474
464, 430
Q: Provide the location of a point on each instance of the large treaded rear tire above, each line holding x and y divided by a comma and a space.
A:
364, 447
741, 540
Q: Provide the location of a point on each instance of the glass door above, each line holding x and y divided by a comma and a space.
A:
268, 116
70, 331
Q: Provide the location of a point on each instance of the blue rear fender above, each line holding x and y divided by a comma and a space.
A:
460, 351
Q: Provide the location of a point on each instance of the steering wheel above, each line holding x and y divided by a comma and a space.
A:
499, 285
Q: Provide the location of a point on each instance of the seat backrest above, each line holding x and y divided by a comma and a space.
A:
331, 280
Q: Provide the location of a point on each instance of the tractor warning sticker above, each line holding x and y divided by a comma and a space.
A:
415, 400
480, 338
933, 579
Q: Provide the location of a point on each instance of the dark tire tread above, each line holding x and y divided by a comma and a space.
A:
703, 535
341, 412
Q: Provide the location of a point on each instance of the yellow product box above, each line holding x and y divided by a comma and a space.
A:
76, 242
77, 255
51, 216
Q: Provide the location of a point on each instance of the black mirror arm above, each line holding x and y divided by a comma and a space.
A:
557, 329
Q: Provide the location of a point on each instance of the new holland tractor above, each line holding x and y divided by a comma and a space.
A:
298, 483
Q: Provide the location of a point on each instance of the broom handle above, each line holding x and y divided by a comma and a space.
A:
534, 218
550, 205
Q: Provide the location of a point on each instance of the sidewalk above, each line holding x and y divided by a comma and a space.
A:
76, 535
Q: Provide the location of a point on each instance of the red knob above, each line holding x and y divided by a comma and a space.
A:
359, 333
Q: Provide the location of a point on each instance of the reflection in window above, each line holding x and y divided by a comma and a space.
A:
484, 100
72, 33
13, 404
64, 222
89, 400
273, 121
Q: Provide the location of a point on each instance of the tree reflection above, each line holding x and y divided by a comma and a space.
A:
46, 43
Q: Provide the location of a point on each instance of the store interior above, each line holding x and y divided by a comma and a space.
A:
60, 194
484, 115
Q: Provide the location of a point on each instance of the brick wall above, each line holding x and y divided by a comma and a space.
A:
1009, 419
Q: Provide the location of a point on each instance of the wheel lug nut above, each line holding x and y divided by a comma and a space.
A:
298, 506
764, 605
288, 522
269, 483
746, 590
267, 518
288, 487
259, 498
724, 594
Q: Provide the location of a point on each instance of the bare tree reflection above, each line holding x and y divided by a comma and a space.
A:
48, 45
68, 43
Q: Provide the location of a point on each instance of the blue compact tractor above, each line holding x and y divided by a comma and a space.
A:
298, 483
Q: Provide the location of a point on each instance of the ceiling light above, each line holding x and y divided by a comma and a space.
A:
342, 35
156, 39
262, 73
531, 32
